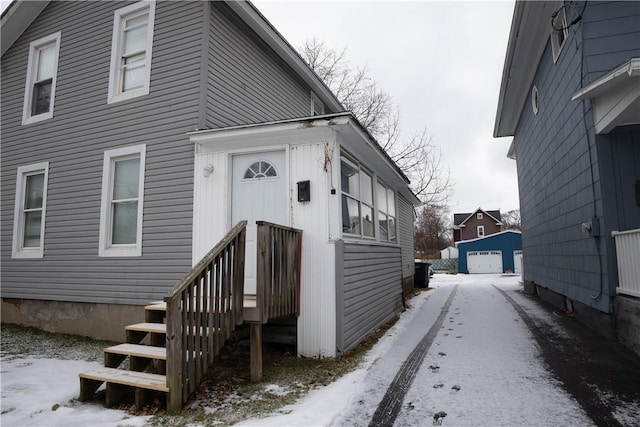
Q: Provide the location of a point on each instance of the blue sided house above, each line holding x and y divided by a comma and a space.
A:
497, 253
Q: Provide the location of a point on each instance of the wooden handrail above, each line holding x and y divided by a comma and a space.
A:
279, 268
202, 311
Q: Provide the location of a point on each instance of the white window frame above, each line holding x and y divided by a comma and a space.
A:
382, 207
115, 76
359, 199
556, 44
315, 102
18, 250
106, 249
479, 215
32, 68
480, 231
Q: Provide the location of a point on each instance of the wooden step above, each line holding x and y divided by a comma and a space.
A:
130, 378
154, 328
156, 306
118, 381
157, 333
136, 350
155, 312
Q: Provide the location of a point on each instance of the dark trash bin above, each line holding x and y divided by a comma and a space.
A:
421, 278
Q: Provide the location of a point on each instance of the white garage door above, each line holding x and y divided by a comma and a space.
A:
517, 262
484, 262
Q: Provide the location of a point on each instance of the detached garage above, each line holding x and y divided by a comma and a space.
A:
495, 253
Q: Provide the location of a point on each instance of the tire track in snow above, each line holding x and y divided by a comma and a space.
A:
566, 369
391, 403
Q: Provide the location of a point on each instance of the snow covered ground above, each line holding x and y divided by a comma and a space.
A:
483, 368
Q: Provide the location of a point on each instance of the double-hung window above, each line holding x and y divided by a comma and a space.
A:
357, 199
386, 213
480, 230
317, 107
130, 70
559, 33
122, 202
30, 209
40, 86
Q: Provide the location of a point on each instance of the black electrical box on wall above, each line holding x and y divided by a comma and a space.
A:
304, 191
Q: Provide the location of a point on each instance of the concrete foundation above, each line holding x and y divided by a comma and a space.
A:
101, 321
408, 285
628, 321
602, 323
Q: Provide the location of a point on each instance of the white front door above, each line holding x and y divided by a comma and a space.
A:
258, 193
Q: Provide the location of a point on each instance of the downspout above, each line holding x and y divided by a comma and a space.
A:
594, 218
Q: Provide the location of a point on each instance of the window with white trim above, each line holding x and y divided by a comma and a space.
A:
480, 230
559, 33
479, 215
40, 85
357, 199
317, 107
122, 202
386, 203
130, 70
30, 210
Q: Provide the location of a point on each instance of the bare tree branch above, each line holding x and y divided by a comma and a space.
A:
418, 156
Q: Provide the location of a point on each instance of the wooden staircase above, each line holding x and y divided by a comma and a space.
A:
147, 363
172, 350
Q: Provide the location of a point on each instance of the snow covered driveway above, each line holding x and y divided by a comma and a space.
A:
483, 366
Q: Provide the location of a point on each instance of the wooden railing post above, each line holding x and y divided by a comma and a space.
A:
261, 277
174, 357
238, 277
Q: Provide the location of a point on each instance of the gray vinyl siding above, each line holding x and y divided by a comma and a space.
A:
611, 36
405, 234
559, 159
74, 141
372, 290
246, 82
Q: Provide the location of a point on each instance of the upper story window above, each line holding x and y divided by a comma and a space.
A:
317, 107
480, 230
357, 199
30, 209
122, 202
40, 86
479, 215
130, 70
386, 203
559, 32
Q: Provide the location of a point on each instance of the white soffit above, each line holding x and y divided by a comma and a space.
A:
615, 97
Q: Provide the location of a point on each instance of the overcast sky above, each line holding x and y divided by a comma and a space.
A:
442, 64
440, 61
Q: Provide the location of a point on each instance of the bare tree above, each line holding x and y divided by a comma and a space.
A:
432, 231
417, 155
511, 220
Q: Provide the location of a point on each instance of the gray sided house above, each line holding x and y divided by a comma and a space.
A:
570, 97
136, 134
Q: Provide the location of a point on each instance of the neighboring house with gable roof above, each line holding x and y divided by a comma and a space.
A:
476, 224
570, 97
136, 134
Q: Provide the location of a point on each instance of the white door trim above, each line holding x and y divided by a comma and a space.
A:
256, 150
